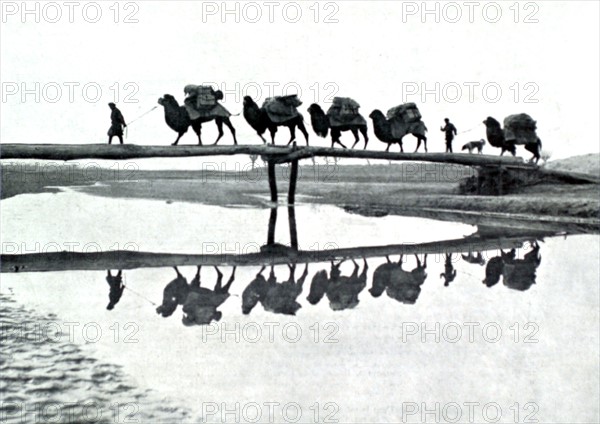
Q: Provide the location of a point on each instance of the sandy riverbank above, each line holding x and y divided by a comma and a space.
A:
378, 188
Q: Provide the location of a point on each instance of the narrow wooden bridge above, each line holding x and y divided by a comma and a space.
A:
277, 155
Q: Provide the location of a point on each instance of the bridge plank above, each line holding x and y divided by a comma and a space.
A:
278, 153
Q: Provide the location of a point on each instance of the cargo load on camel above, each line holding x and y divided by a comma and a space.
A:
520, 129
203, 102
282, 108
344, 111
406, 119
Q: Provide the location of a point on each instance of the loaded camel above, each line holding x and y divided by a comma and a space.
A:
258, 118
321, 125
383, 131
497, 138
178, 119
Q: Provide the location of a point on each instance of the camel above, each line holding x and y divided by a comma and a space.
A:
403, 286
321, 125
178, 119
383, 131
341, 291
259, 120
496, 138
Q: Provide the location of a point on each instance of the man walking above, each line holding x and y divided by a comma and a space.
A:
117, 124
450, 131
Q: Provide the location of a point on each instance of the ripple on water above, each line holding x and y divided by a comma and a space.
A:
61, 384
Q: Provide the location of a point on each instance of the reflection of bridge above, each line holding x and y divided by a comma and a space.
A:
280, 154
270, 254
73, 261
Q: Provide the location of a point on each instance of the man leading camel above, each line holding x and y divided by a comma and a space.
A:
117, 123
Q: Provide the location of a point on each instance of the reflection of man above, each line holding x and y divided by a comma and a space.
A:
449, 273
450, 131
116, 289
117, 122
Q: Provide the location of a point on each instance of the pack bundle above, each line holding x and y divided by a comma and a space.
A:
282, 108
520, 129
202, 101
344, 111
407, 112
404, 119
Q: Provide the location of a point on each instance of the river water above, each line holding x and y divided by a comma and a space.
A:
524, 349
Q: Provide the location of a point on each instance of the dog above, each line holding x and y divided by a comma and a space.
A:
471, 145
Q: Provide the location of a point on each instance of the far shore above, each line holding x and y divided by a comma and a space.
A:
406, 189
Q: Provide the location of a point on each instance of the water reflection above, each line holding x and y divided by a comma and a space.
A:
403, 286
116, 288
276, 297
280, 291
520, 274
342, 291
495, 266
174, 294
449, 273
200, 307
199, 303
517, 274
474, 259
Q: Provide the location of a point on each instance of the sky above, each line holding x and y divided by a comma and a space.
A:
61, 63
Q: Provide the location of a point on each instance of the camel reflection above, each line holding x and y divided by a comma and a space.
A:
494, 267
199, 304
200, 307
174, 294
279, 298
449, 273
399, 284
342, 292
517, 274
474, 259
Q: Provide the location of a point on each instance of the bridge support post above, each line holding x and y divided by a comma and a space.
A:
293, 179
272, 180
272, 224
293, 231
